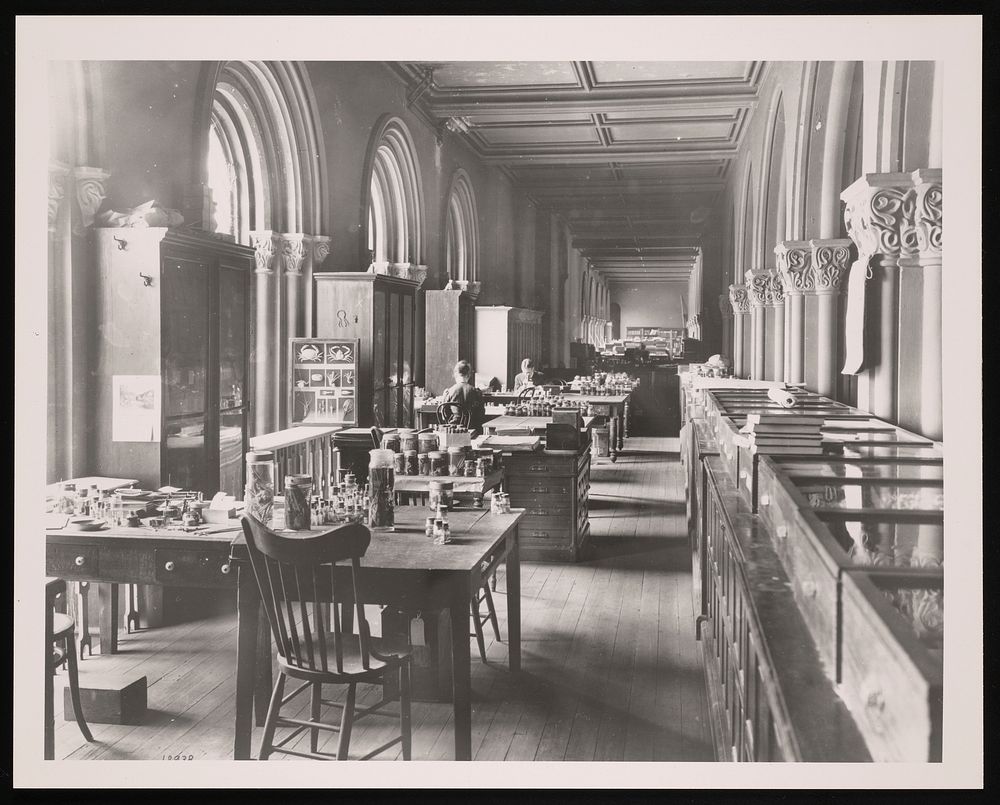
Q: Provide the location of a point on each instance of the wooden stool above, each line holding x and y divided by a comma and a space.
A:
60, 646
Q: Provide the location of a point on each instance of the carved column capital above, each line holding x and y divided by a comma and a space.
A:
775, 294
263, 243
725, 305
928, 197
90, 192
831, 261
879, 214
739, 299
793, 259
320, 249
58, 172
757, 287
291, 252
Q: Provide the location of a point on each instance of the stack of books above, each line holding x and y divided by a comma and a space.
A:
784, 434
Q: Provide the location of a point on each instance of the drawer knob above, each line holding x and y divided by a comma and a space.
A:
765, 500
782, 531
168, 566
224, 569
79, 561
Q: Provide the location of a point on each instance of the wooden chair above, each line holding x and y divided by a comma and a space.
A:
454, 413
60, 647
478, 618
296, 577
530, 391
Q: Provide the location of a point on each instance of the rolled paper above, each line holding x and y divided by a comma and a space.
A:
781, 397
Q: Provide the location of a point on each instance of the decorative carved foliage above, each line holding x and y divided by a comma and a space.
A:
739, 299
757, 285
57, 189
775, 294
831, 260
263, 246
292, 253
895, 214
321, 249
89, 193
794, 261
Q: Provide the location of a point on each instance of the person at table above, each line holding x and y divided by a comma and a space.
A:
467, 396
529, 375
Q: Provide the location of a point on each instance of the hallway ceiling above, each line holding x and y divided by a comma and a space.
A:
632, 155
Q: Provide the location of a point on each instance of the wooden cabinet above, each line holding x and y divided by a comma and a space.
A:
379, 310
553, 488
450, 324
174, 309
504, 337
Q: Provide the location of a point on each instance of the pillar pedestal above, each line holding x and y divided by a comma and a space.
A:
794, 262
831, 261
776, 303
757, 291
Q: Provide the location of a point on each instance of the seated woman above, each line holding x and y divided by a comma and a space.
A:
529, 376
468, 396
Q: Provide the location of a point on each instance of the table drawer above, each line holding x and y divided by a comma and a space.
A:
544, 535
73, 561
183, 568
539, 465
562, 487
558, 508
599, 409
546, 522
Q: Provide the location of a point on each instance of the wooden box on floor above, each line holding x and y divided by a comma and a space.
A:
109, 698
553, 489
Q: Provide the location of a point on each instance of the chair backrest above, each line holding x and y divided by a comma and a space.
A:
296, 578
530, 391
452, 411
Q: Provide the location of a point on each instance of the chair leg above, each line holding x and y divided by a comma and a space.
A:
346, 722
271, 722
492, 611
474, 610
493, 581
50, 719
317, 695
405, 727
74, 686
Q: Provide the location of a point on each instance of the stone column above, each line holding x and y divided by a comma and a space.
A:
928, 225
726, 311
831, 261
878, 207
776, 302
740, 302
266, 381
315, 248
794, 261
757, 291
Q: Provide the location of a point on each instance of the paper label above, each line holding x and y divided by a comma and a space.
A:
854, 319
136, 408
417, 632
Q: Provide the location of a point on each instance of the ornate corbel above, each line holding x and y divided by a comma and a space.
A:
90, 193
757, 287
739, 299
292, 253
793, 259
831, 260
263, 247
927, 204
775, 294
320, 250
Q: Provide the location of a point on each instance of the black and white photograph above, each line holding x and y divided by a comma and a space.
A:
522, 389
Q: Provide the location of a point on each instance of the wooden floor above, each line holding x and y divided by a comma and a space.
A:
611, 669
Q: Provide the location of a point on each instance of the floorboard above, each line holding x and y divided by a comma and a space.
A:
611, 668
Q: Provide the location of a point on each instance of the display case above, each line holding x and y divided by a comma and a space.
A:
504, 337
172, 379
451, 336
379, 311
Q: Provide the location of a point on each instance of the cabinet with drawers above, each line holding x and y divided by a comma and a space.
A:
553, 489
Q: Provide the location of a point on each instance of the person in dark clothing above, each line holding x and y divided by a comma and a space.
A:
468, 396
528, 376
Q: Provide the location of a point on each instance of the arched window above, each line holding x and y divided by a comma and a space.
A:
461, 255
264, 151
393, 202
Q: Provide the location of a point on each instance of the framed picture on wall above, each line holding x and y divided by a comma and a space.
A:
321, 384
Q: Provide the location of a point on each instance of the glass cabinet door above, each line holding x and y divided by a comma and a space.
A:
184, 316
233, 367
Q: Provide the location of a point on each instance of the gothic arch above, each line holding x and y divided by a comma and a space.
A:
461, 243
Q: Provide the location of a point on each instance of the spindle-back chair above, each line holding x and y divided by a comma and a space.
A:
297, 576
454, 413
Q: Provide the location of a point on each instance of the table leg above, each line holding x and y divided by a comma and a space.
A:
82, 594
108, 596
248, 618
620, 429
513, 582
461, 675
612, 440
626, 418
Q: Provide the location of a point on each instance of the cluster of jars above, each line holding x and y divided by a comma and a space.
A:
543, 406
605, 383
420, 454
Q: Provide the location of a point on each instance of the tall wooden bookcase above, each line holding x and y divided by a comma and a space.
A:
380, 311
174, 310
451, 336
504, 337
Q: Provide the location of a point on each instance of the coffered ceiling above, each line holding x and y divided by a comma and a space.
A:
632, 155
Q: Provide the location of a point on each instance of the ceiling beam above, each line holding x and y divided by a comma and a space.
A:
572, 155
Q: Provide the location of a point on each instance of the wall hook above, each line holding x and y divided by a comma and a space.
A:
120, 242
146, 279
